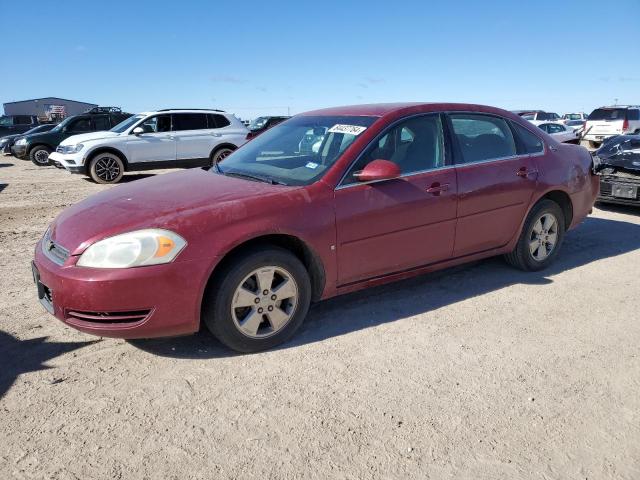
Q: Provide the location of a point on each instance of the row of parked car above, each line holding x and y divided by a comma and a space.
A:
104, 142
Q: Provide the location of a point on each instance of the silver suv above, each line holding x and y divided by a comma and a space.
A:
605, 122
171, 138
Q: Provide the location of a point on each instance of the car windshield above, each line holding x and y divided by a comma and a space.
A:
62, 124
528, 116
258, 123
123, 125
573, 123
297, 152
573, 116
39, 128
5, 121
608, 114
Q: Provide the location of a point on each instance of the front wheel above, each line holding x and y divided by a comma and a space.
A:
258, 300
39, 155
106, 168
540, 239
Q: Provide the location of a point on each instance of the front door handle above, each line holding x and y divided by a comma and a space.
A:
524, 172
437, 188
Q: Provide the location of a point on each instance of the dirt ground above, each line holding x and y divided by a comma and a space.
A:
472, 373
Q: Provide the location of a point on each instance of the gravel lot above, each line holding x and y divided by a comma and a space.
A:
476, 372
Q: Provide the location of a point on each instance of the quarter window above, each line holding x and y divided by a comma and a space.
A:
528, 141
217, 121
415, 145
190, 121
482, 137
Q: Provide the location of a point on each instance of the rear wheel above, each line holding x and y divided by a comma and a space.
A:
39, 155
220, 154
541, 237
258, 300
106, 168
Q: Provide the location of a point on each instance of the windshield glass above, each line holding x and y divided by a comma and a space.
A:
62, 124
573, 116
573, 123
6, 121
123, 125
297, 152
608, 114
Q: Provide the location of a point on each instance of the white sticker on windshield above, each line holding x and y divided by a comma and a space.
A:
350, 129
311, 165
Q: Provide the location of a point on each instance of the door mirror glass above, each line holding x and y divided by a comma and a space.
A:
378, 170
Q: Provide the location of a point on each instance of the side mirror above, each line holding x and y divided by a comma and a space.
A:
378, 170
138, 131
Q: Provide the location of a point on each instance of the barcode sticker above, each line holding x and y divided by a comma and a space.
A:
350, 129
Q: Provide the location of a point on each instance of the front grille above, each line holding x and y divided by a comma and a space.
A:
53, 251
605, 188
133, 316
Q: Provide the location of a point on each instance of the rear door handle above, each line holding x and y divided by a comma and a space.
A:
524, 172
437, 188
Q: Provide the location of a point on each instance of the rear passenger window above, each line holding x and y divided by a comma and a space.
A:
190, 121
529, 143
482, 137
217, 121
633, 114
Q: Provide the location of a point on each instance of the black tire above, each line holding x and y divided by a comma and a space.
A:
217, 304
221, 153
522, 257
39, 155
106, 168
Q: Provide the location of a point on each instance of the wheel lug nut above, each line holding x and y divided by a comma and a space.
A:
260, 310
257, 300
266, 292
273, 297
270, 308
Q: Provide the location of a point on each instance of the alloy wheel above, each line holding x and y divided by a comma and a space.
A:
544, 237
107, 169
42, 156
264, 302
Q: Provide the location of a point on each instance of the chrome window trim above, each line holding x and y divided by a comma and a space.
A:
541, 153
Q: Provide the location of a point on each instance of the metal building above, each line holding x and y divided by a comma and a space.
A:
50, 108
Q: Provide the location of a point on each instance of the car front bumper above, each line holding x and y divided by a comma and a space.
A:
143, 302
19, 151
73, 163
623, 190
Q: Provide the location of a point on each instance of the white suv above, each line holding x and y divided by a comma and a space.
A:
173, 138
606, 122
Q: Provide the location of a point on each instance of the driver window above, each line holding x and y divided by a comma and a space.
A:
81, 125
157, 124
415, 145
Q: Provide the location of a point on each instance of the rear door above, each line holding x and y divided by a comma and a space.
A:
194, 137
157, 143
495, 182
395, 225
101, 123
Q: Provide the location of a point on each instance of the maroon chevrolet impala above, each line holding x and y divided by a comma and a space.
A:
328, 202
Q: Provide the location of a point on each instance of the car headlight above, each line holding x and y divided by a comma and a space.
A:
71, 148
133, 249
21, 141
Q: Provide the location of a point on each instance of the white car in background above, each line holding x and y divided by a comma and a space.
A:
538, 116
560, 132
172, 138
605, 122
568, 117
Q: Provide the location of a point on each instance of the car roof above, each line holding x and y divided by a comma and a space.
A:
382, 109
185, 110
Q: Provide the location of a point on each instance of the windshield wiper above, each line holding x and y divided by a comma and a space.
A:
257, 178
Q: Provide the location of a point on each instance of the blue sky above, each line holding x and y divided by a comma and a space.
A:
272, 56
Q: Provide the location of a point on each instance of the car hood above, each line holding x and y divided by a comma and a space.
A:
164, 201
621, 152
86, 137
11, 137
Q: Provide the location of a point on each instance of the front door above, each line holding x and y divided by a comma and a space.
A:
495, 182
395, 225
157, 143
